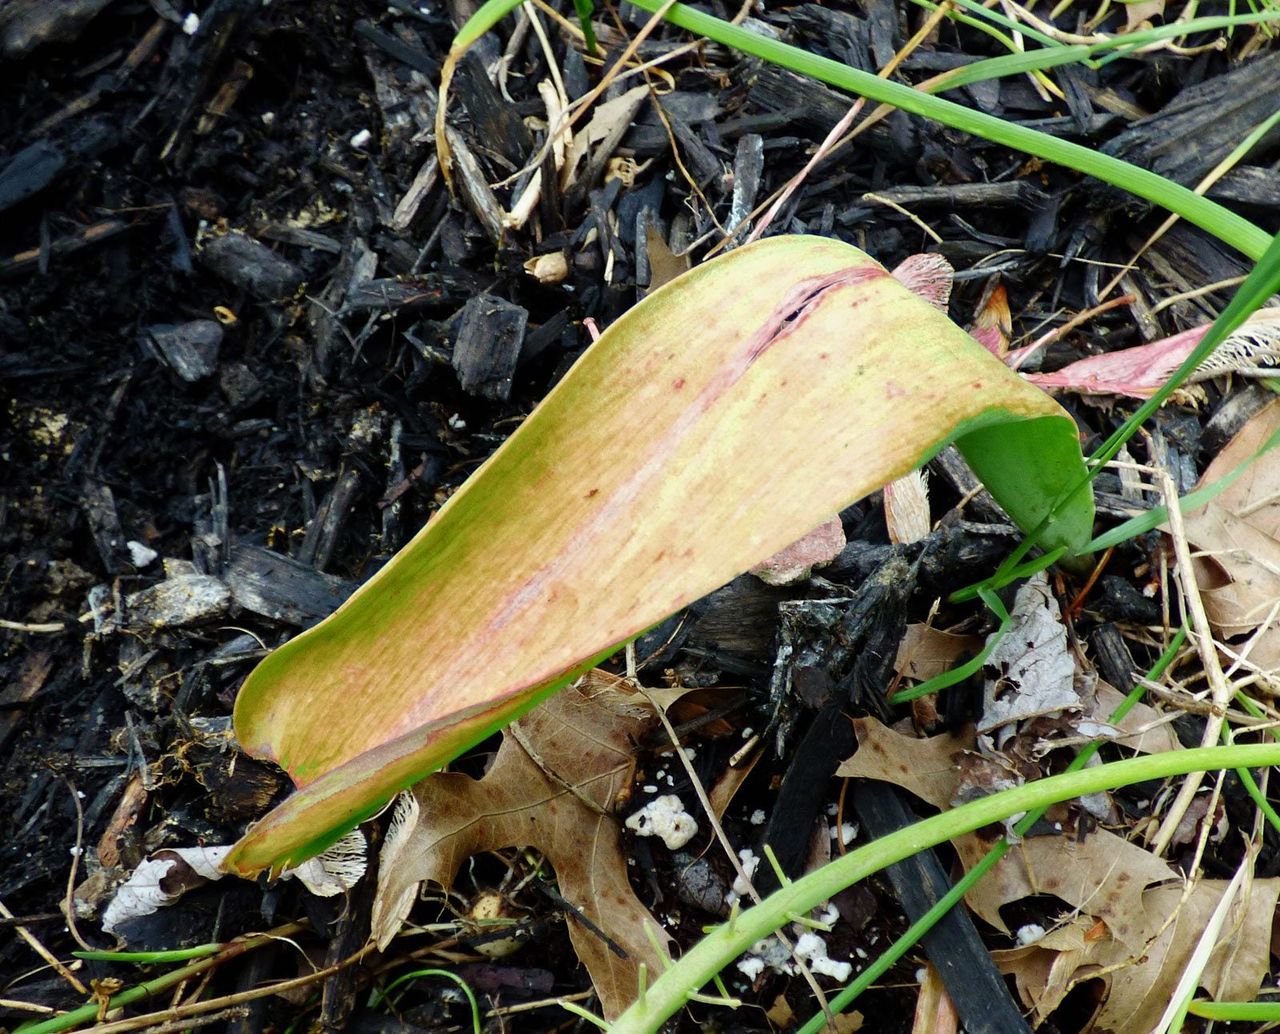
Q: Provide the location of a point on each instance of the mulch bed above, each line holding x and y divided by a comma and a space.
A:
249, 344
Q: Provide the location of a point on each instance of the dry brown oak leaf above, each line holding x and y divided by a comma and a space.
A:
1237, 541
554, 785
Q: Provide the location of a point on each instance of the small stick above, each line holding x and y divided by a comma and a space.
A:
44, 952
1202, 636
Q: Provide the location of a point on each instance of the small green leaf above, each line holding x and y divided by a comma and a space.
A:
719, 420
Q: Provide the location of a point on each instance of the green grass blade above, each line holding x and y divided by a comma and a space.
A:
668, 994
1059, 54
1217, 220
1243, 1012
585, 9
956, 894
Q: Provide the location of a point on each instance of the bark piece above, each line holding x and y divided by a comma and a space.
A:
190, 348
251, 265
1204, 123
282, 589
28, 24
490, 335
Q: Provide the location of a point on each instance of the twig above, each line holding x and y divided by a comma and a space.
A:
43, 628
173, 1026
69, 903
44, 952
1202, 636
183, 1012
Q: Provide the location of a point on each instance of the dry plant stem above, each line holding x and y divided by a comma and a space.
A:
1058, 333
44, 952
184, 1012
39, 628
69, 901
16, 1006
545, 1003
174, 1026
906, 213
832, 140
552, 67
162, 983
1017, 11
723, 840
1202, 636
1199, 292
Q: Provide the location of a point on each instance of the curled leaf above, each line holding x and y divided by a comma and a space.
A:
731, 411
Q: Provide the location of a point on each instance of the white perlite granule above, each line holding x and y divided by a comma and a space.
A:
665, 817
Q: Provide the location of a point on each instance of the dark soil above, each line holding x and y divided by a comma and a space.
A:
233, 356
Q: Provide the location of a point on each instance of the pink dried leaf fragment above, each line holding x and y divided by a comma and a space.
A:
929, 276
1253, 350
797, 561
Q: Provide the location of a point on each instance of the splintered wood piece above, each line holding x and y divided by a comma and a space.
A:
190, 348
250, 265
490, 334
282, 589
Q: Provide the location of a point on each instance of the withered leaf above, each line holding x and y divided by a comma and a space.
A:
1237, 541
1139, 988
1104, 875
554, 786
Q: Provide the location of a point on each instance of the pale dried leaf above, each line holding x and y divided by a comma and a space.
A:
553, 786
930, 276
1034, 672
993, 323
1142, 729
609, 122
1103, 876
1140, 371
906, 508
924, 767
664, 264
392, 908
163, 878
337, 869
1139, 14
1139, 990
